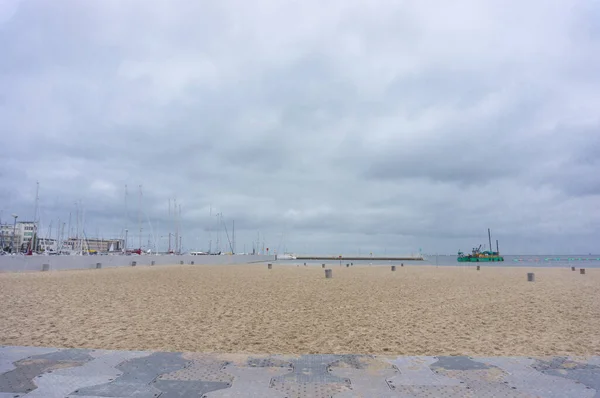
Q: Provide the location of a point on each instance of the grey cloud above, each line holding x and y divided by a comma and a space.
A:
341, 127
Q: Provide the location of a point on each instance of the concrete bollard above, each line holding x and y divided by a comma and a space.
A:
582, 271
269, 266
478, 267
328, 274
181, 262
530, 277
393, 268
133, 263
98, 265
45, 267
572, 268
191, 263
152, 262
322, 265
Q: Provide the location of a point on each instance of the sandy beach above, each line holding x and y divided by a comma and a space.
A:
418, 310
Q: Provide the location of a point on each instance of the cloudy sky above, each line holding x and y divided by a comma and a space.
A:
327, 126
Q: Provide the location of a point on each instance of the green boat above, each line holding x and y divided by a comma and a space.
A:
478, 256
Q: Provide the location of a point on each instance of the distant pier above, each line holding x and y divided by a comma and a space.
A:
359, 258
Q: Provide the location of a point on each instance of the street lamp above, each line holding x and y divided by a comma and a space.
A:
12, 244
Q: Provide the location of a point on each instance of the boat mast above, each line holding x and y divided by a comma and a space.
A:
175, 223
35, 214
497, 251
169, 231
77, 223
490, 239
140, 217
126, 216
210, 230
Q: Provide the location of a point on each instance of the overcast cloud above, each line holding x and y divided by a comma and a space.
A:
345, 125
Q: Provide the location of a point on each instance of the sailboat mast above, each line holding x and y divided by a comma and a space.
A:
169, 219
175, 223
35, 215
490, 239
126, 223
179, 229
140, 217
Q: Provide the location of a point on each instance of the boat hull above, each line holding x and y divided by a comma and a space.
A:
480, 259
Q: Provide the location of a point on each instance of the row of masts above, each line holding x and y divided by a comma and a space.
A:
72, 237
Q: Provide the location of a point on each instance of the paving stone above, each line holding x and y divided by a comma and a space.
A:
90, 396
103, 365
269, 362
9, 355
18, 352
520, 374
417, 371
33, 372
185, 389
137, 374
20, 379
485, 382
12, 395
359, 362
70, 354
100, 370
252, 381
52, 386
457, 363
366, 383
584, 373
310, 378
205, 368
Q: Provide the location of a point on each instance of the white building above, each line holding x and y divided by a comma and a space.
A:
23, 233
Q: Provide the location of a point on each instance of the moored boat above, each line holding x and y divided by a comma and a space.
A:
477, 255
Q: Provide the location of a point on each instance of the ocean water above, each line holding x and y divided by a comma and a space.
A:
549, 261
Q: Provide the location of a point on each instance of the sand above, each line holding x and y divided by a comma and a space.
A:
417, 310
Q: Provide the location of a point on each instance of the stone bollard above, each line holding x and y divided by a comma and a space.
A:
328, 274
530, 277
45, 267
572, 268
181, 262
191, 263
269, 266
478, 267
393, 268
322, 265
98, 265
133, 263
153, 262
582, 271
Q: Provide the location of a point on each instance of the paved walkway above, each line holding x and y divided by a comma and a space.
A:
81, 373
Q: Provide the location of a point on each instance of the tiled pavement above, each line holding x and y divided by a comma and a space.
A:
81, 373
